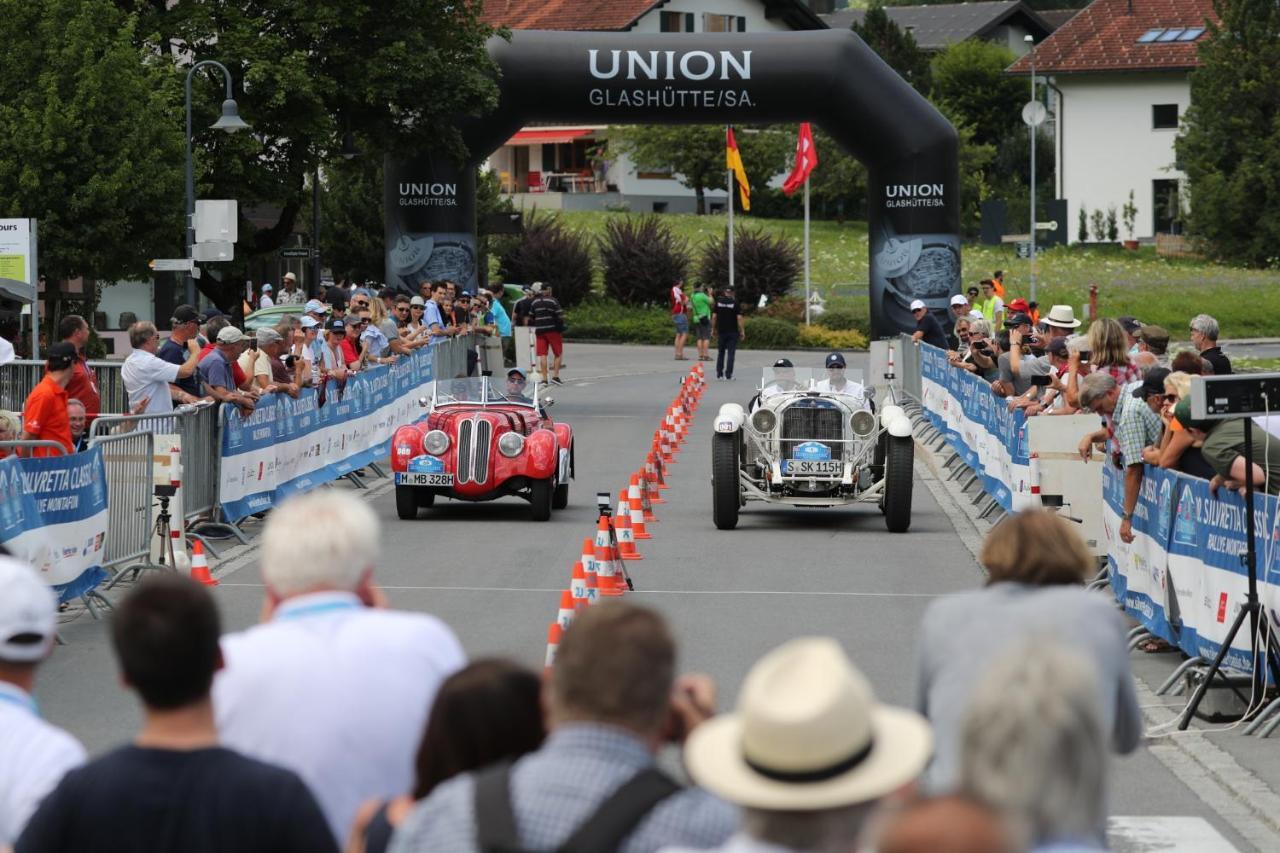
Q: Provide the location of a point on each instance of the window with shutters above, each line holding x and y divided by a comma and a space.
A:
719, 23
675, 22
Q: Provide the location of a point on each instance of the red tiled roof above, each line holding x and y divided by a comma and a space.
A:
1104, 37
564, 14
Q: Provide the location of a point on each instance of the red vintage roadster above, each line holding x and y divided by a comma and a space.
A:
480, 441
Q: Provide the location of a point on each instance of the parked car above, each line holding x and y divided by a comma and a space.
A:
269, 318
799, 445
479, 442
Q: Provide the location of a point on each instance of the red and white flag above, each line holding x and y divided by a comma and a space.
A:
806, 159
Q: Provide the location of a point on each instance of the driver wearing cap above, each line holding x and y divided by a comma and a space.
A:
517, 382
837, 383
784, 379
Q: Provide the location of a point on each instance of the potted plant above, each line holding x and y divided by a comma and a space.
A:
1130, 215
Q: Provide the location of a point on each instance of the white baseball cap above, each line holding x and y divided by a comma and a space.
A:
230, 335
28, 613
266, 288
308, 322
917, 304
959, 299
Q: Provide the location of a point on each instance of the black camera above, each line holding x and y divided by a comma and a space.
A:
1041, 381
288, 360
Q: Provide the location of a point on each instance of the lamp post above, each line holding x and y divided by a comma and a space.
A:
230, 122
1031, 130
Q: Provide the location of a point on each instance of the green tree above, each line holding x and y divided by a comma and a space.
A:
306, 73
969, 83
895, 47
1230, 145
352, 239
693, 154
93, 145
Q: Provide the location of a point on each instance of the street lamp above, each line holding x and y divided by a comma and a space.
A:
1031, 129
229, 122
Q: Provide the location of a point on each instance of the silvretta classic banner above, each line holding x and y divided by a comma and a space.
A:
53, 514
829, 77
287, 446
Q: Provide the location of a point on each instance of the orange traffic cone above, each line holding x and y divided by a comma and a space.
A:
578, 583
651, 481
620, 579
636, 497
554, 633
564, 616
626, 538
659, 469
589, 569
606, 569
200, 565
638, 528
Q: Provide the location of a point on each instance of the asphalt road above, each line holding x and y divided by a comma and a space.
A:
494, 575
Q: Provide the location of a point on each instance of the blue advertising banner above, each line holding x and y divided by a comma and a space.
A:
978, 425
53, 514
1183, 577
288, 445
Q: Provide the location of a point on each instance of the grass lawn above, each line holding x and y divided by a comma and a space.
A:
1164, 291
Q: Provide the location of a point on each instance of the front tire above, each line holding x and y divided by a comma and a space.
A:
426, 498
560, 497
406, 502
540, 497
725, 488
898, 478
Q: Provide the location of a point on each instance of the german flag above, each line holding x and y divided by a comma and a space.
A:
733, 162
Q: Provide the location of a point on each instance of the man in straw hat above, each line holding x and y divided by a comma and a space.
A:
809, 754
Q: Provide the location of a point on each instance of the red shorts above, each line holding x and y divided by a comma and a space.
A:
549, 339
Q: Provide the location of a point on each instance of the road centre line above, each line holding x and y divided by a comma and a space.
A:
654, 591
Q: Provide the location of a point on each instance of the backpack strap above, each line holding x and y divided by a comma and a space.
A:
620, 814
495, 819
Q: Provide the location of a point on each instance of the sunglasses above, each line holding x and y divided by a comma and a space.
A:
418, 308
1171, 398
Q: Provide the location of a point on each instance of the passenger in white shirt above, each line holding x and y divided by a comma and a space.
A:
332, 686
146, 376
266, 301
34, 755
837, 383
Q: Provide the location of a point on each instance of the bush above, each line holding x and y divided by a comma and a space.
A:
768, 333
762, 265
642, 259
598, 319
789, 308
823, 337
842, 320
548, 251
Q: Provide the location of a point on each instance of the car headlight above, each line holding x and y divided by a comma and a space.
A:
763, 420
510, 444
435, 442
863, 423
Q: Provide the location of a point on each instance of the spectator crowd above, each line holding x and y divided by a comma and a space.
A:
338, 722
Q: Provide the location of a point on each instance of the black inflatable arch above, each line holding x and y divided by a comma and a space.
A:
829, 77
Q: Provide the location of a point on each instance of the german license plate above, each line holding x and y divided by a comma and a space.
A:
420, 479
813, 467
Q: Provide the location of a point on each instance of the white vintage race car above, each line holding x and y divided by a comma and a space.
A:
801, 443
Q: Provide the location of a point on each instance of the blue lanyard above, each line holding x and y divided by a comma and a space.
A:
318, 607
21, 701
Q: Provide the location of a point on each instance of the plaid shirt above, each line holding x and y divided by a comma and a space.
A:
1133, 426
555, 789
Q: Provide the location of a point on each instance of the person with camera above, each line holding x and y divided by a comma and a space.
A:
1023, 360
981, 357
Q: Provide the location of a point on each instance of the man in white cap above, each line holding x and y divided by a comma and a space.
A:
266, 301
960, 308
216, 374
928, 329
809, 754
33, 754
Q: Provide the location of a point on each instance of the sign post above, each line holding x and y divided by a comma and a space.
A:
18, 259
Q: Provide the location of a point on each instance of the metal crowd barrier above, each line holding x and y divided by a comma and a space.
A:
909, 367
449, 359
127, 458
10, 446
19, 377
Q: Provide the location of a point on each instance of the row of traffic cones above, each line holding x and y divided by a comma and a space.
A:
600, 572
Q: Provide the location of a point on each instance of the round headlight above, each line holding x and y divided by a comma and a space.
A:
435, 442
764, 420
863, 423
510, 444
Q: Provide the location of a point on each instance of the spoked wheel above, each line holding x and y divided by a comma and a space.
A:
897, 487
540, 497
406, 502
725, 489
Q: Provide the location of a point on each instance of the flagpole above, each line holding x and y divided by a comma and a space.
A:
806, 250
729, 201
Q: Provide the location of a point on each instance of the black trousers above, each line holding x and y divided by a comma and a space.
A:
728, 347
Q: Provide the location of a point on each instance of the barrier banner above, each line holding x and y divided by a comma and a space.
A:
53, 514
978, 425
287, 446
1183, 577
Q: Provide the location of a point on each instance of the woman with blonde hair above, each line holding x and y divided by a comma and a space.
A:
1036, 567
1108, 350
1178, 450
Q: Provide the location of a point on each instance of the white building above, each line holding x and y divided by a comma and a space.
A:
553, 167
1118, 78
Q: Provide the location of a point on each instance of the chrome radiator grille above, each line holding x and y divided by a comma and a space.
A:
480, 462
810, 423
464, 451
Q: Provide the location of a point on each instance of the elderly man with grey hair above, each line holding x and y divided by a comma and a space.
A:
146, 376
1034, 747
332, 684
1204, 337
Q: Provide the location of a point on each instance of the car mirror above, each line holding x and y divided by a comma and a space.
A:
547, 402
424, 403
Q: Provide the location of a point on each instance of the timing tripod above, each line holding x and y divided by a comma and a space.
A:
167, 560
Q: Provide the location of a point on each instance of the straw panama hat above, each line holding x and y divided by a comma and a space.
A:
808, 734
1062, 316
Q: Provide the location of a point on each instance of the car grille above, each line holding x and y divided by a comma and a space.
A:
810, 423
474, 435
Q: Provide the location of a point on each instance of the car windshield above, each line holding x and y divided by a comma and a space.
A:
484, 389
778, 380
